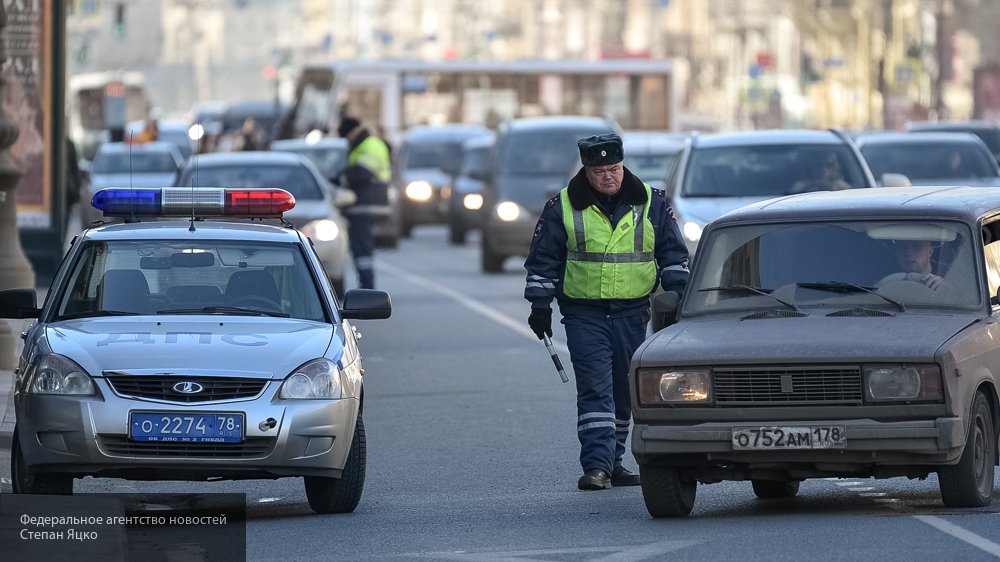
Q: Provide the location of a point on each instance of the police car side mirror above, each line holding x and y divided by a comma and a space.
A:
343, 197
18, 304
665, 306
366, 304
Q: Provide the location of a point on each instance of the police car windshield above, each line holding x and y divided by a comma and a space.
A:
123, 277
297, 180
137, 163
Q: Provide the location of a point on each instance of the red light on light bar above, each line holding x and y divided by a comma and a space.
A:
258, 202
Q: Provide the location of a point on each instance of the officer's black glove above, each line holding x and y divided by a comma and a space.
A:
540, 321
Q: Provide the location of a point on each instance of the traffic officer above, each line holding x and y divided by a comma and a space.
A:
600, 247
367, 174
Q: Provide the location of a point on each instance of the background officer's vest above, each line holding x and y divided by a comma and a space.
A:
374, 155
602, 263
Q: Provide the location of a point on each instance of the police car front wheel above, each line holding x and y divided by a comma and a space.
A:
341, 495
26, 481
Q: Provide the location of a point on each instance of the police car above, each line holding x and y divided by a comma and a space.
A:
177, 346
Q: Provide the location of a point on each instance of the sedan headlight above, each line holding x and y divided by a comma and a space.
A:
57, 374
508, 211
324, 230
316, 380
692, 231
419, 190
674, 386
472, 201
902, 383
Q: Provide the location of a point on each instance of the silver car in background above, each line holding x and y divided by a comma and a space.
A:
118, 164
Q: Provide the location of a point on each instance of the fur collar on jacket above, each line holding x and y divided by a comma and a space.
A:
581, 195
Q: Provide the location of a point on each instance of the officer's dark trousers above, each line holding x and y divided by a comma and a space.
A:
359, 232
600, 349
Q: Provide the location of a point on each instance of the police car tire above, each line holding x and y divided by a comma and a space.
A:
665, 493
775, 489
23, 481
341, 495
970, 482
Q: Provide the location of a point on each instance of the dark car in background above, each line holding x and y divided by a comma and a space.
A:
931, 158
466, 199
988, 131
531, 162
427, 160
265, 115
651, 156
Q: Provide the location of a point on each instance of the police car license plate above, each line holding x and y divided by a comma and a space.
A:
173, 427
789, 437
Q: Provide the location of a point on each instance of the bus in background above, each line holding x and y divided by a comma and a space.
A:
101, 102
395, 95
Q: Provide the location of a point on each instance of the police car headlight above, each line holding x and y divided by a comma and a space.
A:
692, 231
419, 190
57, 374
508, 211
674, 386
324, 230
316, 380
894, 383
473, 201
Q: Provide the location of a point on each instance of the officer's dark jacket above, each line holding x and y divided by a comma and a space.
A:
370, 191
546, 261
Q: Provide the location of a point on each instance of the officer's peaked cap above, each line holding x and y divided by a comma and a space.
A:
601, 150
347, 124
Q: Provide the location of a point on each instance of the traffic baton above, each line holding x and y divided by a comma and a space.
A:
555, 358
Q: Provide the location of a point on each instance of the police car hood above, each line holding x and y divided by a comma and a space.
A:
817, 337
272, 347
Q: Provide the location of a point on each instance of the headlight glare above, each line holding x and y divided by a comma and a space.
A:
419, 190
316, 380
324, 230
669, 386
508, 211
56, 374
473, 201
692, 231
896, 383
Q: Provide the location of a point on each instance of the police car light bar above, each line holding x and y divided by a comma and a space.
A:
188, 201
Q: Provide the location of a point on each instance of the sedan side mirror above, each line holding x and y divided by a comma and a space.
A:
895, 180
366, 304
665, 307
343, 197
18, 304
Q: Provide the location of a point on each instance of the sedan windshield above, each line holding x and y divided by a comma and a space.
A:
122, 278
651, 167
136, 163
772, 170
444, 156
930, 161
297, 180
891, 265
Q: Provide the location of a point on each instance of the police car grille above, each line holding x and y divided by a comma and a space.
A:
253, 447
163, 387
789, 386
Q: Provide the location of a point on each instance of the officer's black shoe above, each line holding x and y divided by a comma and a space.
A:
621, 476
594, 480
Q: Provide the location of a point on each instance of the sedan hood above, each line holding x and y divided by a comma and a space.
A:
729, 340
266, 346
706, 209
101, 181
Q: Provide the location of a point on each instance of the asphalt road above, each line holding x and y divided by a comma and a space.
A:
472, 455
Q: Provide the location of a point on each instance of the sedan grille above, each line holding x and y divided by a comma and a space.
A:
791, 386
253, 447
174, 389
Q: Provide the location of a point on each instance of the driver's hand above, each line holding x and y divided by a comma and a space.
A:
929, 279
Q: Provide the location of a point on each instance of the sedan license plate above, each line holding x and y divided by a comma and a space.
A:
785, 437
174, 427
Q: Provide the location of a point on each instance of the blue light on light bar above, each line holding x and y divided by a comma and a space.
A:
128, 201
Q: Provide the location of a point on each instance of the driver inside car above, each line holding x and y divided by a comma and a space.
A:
914, 259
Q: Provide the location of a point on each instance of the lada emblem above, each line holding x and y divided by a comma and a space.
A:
188, 387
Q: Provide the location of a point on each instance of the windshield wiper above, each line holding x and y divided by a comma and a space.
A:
94, 313
224, 310
754, 290
845, 287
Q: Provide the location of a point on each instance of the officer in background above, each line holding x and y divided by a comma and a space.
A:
600, 247
367, 174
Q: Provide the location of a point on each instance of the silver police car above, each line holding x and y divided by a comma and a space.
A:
192, 349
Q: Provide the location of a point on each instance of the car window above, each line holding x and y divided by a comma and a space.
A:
542, 152
161, 276
774, 258
329, 160
444, 156
179, 139
136, 163
297, 180
991, 247
928, 161
650, 166
474, 160
771, 170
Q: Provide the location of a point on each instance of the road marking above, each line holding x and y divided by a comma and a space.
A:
873, 495
613, 553
961, 534
267, 500
4, 480
478, 308
861, 489
848, 483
